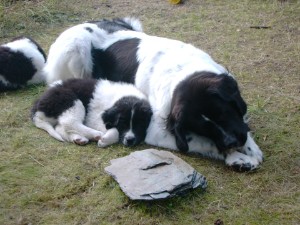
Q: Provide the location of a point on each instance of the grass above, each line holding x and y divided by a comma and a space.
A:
43, 181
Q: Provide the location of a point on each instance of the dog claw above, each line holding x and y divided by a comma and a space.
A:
244, 167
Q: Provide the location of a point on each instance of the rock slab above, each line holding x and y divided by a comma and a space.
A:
153, 174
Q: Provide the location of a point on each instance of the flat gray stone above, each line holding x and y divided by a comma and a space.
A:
152, 174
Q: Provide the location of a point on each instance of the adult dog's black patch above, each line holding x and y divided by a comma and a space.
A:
118, 62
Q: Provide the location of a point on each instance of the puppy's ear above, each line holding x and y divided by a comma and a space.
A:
175, 125
147, 109
111, 117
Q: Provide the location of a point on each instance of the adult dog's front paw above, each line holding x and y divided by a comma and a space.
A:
241, 162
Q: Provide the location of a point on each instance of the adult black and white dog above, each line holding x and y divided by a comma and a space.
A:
79, 110
73, 52
196, 103
21, 63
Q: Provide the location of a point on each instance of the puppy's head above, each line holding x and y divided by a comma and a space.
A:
131, 116
209, 105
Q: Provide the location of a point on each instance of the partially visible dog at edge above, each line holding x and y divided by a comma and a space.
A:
197, 105
21, 64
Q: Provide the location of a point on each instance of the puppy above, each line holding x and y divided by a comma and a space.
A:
196, 102
73, 53
21, 63
80, 110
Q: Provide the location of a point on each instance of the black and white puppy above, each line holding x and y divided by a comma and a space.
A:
21, 63
73, 52
196, 102
79, 110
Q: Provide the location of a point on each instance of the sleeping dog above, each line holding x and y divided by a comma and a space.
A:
196, 103
21, 63
79, 110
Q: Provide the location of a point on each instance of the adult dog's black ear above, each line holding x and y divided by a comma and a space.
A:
110, 118
175, 123
228, 91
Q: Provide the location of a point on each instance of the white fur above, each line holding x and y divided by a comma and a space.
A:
70, 55
134, 23
129, 134
110, 137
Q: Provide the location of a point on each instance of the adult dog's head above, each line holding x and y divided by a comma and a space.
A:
209, 105
131, 116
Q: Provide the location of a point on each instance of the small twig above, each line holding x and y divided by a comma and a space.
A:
260, 27
36, 161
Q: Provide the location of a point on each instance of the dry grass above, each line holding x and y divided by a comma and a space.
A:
43, 181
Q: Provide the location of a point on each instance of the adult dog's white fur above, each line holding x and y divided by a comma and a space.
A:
70, 55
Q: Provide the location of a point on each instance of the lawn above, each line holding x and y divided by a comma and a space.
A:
43, 181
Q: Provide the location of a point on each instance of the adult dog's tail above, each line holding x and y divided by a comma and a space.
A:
132, 23
117, 24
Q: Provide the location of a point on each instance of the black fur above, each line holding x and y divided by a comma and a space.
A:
119, 116
62, 97
118, 62
217, 98
15, 67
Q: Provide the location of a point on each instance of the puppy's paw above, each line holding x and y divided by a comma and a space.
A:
97, 138
102, 144
80, 141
